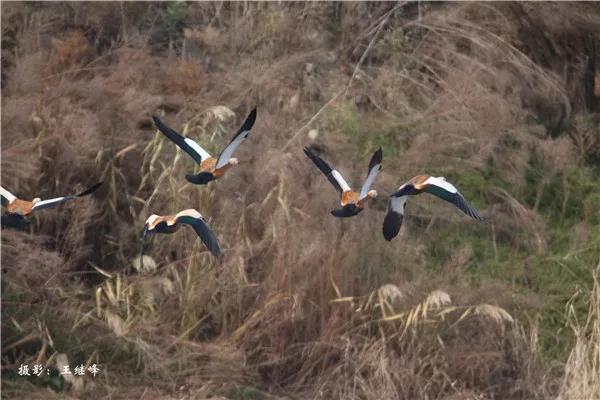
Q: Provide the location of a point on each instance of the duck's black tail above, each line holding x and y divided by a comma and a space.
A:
14, 221
200, 179
349, 210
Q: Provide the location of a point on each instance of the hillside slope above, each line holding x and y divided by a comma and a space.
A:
498, 98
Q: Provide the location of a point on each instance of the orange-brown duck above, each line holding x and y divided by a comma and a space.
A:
210, 168
17, 209
352, 202
171, 223
438, 186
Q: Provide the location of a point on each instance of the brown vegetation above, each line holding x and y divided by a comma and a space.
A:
303, 305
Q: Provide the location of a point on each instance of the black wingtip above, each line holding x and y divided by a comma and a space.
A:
161, 126
376, 158
318, 161
158, 122
216, 252
469, 210
379, 154
250, 120
213, 244
309, 153
91, 189
473, 213
391, 225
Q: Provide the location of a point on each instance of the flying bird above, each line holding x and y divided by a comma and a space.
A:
352, 202
18, 209
171, 223
210, 168
438, 186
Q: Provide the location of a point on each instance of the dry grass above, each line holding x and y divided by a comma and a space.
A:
302, 305
69, 53
583, 366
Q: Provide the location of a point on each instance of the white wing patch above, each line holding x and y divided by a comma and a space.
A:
369, 181
196, 147
228, 152
7, 195
151, 219
340, 180
47, 202
397, 204
441, 183
190, 212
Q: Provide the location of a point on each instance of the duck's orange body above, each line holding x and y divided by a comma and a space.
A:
349, 197
419, 181
352, 197
21, 207
209, 165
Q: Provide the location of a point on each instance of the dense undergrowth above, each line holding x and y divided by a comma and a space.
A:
498, 98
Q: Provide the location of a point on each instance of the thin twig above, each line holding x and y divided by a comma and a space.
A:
366, 52
310, 121
356, 68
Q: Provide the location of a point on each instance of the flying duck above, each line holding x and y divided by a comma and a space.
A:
210, 168
437, 186
17, 209
171, 223
352, 202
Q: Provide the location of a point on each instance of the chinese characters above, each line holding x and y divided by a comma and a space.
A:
38, 370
